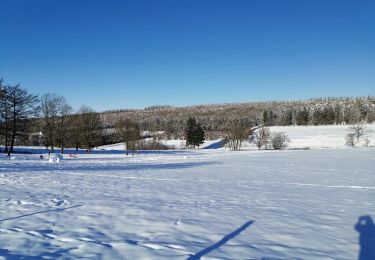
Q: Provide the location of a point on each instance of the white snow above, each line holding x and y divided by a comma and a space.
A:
311, 137
174, 143
330, 136
54, 157
210, 203
318, 137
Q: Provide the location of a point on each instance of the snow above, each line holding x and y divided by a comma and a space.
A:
174, 143
54, 157
329, 136
212, 204
301, 137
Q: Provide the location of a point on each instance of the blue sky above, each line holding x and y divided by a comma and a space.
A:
131, 54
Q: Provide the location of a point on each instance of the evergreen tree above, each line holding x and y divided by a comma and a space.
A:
265, 118
199, 137
194, 133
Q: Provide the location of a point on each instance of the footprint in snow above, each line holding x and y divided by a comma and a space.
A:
130, 241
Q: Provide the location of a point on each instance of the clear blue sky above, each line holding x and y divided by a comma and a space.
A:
130, 54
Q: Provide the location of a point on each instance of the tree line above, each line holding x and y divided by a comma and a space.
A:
216, 117
17, 108
26, 119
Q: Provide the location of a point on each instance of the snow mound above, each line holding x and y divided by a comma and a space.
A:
54, 158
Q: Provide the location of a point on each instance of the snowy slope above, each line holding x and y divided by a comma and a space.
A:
331, 136
316, 137
312, 137
214, 204
176, 144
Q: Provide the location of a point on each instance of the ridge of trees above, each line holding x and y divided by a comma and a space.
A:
50, 121
215, 117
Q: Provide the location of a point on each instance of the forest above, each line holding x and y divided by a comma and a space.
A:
49, 120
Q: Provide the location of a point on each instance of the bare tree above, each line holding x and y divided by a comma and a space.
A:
367, 142
262, 137
23, 106
4, 114
63, 123
55, 111
236, 133
91, 127
75, 131
128, 132
349, 139
358, 130
279, 140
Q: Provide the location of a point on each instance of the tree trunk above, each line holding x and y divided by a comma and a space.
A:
14, 124
52, 143
13, 139
62, 143
6, 126
6, 136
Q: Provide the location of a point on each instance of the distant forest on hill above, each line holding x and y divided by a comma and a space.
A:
49, 120
216, 117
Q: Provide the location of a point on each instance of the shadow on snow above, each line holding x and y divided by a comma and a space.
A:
366, 229
105, 167
59, 253
40, 212
46, 255
221, 242
37, 150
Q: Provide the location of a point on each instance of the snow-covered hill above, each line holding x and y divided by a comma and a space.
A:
330, 136
312, 137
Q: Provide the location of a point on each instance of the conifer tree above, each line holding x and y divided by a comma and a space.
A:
194, 133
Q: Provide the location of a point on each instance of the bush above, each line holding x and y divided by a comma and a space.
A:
358, 130
350, 140
279, 140
354, 136
367, 142
154, 145
261, 137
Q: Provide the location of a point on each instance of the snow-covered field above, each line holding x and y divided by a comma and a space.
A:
213, 204
327, 136
311, 137
176, 144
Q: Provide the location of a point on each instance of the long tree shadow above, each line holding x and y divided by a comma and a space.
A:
114, 167
45, 255
366, 228
48, 255
39, 212
221, 242
36, 150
